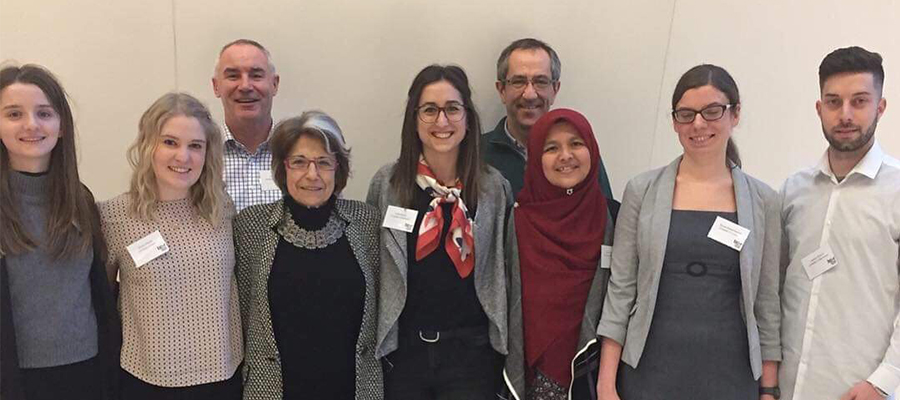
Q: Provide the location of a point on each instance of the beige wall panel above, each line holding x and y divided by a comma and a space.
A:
613, 60
113, 57
356, 61
773, 50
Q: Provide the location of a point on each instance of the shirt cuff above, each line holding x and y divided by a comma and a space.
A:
771, 353
612, 331
886, 378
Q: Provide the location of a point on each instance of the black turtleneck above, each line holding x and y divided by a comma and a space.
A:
316, 298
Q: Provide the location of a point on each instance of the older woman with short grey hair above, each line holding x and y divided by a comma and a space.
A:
307, 267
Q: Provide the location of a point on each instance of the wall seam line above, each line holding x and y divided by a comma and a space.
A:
662, 80
175, 47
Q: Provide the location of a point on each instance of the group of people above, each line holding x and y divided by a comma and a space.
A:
480, 266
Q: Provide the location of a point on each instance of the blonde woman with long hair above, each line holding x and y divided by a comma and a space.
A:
170, 241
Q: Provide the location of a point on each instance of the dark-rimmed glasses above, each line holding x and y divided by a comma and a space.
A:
301, 164
711, 113
540, 83
429, 112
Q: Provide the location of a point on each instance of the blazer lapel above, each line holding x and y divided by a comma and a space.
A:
660, 218
480, 233
267, 256
745, 214
396, 248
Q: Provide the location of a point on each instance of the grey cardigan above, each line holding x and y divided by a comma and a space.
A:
255, 239
641, 233
494, 197
586, 352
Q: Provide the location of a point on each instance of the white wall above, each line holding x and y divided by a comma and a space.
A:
356, 59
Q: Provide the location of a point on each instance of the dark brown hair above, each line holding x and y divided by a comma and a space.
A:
719, 78
852, 59
468, 165
69, 224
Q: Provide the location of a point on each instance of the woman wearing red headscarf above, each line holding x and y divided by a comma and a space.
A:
559, 232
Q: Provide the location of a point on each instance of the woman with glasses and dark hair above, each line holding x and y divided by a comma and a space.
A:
442, 311
692, 310
307, 269
59, 335
557, 236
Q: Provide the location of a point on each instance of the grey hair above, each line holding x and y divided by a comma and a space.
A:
316, 123
331, 133
528, 44
246, 42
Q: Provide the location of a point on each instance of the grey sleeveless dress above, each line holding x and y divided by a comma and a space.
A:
697, 347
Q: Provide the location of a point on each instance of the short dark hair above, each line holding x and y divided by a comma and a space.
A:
528, 44
719, 78
852, 59
468, 164
315, 124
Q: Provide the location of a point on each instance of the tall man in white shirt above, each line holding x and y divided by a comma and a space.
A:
841, 292
246, 82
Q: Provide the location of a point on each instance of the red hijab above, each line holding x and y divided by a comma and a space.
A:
560, 234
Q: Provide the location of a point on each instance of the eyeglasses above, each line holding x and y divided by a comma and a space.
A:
429, 112
300, 163
709, 113
540, 83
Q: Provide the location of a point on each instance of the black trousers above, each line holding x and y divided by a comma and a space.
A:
136, 389
454, 369
80, 380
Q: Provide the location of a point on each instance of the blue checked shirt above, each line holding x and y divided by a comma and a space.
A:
242, 172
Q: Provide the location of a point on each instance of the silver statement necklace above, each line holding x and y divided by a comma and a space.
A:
306, 239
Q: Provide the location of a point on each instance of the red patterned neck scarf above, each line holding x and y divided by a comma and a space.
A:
460, 243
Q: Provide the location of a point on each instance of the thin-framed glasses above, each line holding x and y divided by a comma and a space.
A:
429, 112
709, 113
540, 83
301, 164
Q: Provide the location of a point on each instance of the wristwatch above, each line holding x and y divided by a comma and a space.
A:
773, 391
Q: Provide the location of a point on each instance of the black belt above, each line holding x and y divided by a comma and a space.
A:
473, 335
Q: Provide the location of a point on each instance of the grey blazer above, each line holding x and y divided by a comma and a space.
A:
585, 354
641, 233
255, 239
490, 276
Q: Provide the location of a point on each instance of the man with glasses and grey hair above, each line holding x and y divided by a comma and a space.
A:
246, 82
528, 72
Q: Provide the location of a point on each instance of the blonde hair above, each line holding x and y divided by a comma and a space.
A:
208, 194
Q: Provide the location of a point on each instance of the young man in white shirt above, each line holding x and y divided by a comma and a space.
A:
841, 229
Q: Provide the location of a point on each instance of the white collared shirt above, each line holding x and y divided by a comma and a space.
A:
841, 327
520, 147
243, 171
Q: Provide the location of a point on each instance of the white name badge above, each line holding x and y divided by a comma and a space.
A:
400, 218
819, 261
605, 256
147, 249
267, 181
728, 233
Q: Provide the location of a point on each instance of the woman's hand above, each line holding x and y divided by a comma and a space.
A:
608, 393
